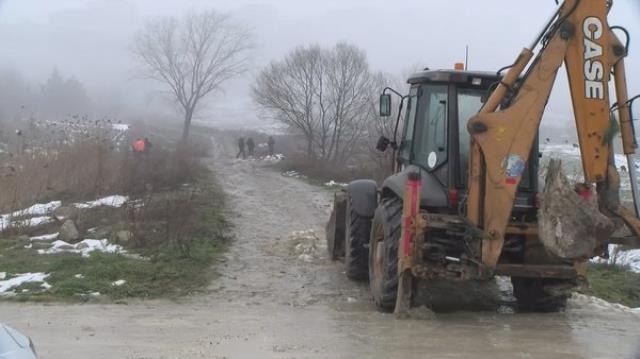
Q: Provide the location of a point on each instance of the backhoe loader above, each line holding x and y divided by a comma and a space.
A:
465, 202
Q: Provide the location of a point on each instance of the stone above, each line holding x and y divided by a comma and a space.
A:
570, 225
69, 231
124, 236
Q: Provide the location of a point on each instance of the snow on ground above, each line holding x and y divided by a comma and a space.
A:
579, 300
118, 283
333, 183
39, 213
7, 222
19, 279
564, 151
38, 209
45, 237
84, 247
293, 174
272, 159
120, 127
111, 201
41, 210
32, 222
629, 258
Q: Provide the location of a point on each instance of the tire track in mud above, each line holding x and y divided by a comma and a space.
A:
279, 249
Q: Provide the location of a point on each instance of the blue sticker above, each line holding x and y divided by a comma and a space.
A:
514, 165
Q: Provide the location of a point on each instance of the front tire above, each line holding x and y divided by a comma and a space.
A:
383, 253
356, 252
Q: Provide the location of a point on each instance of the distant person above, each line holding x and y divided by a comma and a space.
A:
241, 148
251, 146
271, 143
138, 147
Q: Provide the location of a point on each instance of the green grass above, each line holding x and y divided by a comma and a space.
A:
614, 284
169, 268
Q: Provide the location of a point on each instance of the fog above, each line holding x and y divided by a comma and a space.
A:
89, 41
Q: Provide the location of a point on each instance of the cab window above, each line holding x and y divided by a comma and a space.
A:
430, 147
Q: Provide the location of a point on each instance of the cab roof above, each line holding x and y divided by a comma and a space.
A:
457, 76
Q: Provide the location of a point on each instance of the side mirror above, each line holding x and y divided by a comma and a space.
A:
385, 105
382, 144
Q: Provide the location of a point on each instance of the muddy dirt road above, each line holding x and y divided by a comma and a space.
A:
278, 297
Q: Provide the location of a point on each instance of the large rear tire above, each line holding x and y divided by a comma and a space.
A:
356, 252
541, 294
383, 253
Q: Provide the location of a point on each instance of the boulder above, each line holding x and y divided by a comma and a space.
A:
570, 225
123, 236
69, 231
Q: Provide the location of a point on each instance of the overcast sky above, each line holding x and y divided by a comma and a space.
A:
89, 38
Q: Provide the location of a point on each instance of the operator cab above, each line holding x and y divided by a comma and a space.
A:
435, 137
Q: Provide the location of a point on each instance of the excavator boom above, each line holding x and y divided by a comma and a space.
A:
503, 132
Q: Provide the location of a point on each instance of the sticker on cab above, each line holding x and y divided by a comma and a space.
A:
432, 159
514, 166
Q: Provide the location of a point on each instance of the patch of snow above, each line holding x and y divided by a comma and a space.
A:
333, 183
84, 247
20, 279
31, 222
578, 301
38, 209
118, 283
45, 237
273, 159
120, 126
293, 174
111, 201
629, 258
560, 149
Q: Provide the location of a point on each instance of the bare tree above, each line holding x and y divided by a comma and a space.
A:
322, 94
192, 56
287, 91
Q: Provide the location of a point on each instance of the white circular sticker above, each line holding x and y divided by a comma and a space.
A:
432, 159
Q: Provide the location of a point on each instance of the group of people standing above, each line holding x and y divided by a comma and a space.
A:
251, 146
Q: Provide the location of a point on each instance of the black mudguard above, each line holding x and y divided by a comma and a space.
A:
364, 197
335, 229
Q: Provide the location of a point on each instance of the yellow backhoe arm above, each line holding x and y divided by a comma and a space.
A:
580, 37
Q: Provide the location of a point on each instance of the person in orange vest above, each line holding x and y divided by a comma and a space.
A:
138, 147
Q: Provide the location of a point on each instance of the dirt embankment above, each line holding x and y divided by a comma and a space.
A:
278, 296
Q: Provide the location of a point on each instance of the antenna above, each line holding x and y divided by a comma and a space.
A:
466, 58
